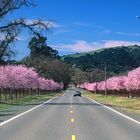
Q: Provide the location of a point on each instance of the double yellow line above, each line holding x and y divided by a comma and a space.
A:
73, 137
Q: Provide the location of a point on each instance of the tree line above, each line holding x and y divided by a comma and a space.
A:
128, 85
19, 81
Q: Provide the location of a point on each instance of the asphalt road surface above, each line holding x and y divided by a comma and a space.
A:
70, 118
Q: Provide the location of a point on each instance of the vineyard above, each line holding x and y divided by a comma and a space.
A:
119, 86
19, 81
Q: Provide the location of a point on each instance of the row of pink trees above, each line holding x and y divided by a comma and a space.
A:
20, 80
122, 85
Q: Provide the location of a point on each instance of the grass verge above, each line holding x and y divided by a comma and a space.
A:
123, 103
32, 99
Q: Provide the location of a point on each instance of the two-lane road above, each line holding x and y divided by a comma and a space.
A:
70, 118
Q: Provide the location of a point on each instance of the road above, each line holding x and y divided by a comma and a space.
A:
70, 118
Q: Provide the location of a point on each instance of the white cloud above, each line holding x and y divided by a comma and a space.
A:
61, 31
83, 46
81, 24
114, 43
87, 24
77, 46
127, 34
107, 31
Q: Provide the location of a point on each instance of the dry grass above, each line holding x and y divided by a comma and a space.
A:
27, 100
124, 103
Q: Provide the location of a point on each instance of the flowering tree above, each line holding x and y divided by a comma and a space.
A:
133, 80
21, 77
116, 83
129, 84
17, 77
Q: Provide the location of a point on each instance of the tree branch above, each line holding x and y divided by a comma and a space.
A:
34, 27
7, 6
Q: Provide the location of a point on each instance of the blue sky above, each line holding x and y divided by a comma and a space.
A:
84, 25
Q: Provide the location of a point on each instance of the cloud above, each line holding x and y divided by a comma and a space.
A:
86, 24
82, 24
107, 31
61, 31
127, 34
77, 46
104, 29
114, 43
84, 46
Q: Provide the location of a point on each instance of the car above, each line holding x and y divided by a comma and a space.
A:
77, 93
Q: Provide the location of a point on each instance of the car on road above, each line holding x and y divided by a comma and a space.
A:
77, 93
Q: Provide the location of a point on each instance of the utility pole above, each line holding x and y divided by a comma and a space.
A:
91, 75
96, 88
105, 81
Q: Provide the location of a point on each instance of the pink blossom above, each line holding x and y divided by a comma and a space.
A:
21, 77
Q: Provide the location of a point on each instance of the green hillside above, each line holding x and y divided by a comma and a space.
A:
76, 55
118, 59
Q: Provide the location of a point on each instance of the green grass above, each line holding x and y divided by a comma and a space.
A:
125, 104
27, 100
4, 106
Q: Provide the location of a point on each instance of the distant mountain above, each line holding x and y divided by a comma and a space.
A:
118, 59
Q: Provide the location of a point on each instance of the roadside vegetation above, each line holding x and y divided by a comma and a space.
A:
128, 86
126, 104
31, 99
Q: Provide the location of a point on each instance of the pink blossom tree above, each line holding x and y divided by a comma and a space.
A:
20, 77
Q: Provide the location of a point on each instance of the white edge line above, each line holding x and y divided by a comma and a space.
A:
65, 93
129, 118
17, 116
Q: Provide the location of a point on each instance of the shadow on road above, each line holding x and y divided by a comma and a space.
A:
1, 111
14, 104
77, 104
9, 114
84, 104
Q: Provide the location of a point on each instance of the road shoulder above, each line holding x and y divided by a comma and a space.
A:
128, 110
10, 109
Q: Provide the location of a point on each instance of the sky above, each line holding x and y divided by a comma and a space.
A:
83, 25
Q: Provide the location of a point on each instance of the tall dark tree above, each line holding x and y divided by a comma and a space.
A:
38, 46
50, 68
79, 77
59, 71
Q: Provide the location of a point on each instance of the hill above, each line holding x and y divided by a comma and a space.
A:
118, 59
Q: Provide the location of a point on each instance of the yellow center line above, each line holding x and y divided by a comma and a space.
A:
72, 120
73, 137
71, 112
